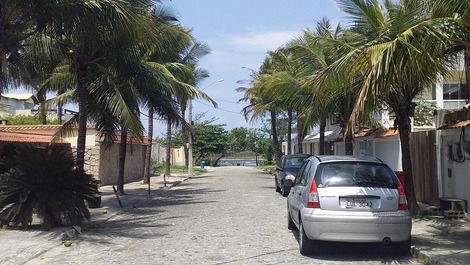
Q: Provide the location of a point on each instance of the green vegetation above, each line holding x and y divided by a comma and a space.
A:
212, 142
47, 185
160, 169
27, 120
112, 58
389, 52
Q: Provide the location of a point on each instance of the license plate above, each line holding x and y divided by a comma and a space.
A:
357, 203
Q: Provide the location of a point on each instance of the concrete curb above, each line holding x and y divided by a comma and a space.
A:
75, 231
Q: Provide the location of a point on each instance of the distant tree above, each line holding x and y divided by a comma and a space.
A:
259, 143
209, 138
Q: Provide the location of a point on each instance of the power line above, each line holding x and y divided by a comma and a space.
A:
227, 101
229, 111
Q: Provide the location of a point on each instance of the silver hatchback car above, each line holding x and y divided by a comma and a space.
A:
348, 199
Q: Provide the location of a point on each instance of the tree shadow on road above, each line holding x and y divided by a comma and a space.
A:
142, 217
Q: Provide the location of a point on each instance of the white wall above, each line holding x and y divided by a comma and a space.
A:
455, 176
90, 138
339, 148
387, 149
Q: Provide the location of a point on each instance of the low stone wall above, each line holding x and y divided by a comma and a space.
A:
109, 163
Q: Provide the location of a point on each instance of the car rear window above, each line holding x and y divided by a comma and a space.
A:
294, 162
359, 174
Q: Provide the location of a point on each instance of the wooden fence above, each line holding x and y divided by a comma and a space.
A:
424, 159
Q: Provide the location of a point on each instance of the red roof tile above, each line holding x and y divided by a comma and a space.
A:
456, 125
377, 133
18, 137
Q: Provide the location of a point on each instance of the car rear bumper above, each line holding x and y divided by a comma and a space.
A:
356, 226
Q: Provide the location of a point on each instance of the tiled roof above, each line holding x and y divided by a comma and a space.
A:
25, 137
455, 125
377, 133
30, 133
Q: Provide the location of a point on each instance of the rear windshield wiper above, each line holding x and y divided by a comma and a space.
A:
371, 184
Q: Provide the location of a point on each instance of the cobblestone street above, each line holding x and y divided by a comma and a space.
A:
230, 216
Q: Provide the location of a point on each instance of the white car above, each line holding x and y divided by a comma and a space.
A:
348, 199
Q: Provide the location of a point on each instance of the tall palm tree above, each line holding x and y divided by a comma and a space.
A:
405, 48
261, 103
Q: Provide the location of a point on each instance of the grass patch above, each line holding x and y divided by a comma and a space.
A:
267, 167
160, 169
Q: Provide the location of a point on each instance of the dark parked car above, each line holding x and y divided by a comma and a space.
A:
287, 170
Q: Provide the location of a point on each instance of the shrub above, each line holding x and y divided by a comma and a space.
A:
44, 181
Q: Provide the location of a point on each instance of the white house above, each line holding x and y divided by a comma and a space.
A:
16, 104
447, 94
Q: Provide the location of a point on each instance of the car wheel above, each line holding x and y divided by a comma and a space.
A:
277, 186
284, 191
306, 245
402, 248
290, 224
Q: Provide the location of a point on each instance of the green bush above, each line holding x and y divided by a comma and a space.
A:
44, 181
27, 120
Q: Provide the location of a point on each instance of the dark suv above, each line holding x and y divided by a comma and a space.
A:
287, 170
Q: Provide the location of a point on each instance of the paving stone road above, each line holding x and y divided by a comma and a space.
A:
230, 216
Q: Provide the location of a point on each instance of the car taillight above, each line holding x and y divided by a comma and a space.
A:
402, 203
313, 199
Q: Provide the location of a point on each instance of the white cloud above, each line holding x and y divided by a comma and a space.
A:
262, 41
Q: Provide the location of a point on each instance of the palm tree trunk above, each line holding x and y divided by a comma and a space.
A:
60, 111
289, 132
404, 127
275, 140
168, 149
322, 135
42, 113
300, 135
122, 161
348, 143
148, 151
184, 132
467, 71
82, 121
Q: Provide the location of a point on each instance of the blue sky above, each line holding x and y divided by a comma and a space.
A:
240, 32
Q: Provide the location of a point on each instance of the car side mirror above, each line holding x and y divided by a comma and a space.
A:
288, 183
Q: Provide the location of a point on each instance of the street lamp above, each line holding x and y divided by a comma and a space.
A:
190, 138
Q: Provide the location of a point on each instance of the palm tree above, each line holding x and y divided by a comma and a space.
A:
404, 50
261, 103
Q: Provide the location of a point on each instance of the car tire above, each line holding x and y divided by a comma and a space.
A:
402, 248
284, 191
290, 224
278, 189
306, 246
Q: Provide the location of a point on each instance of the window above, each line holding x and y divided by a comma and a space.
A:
303, 172
356, 174
306, 174
453, 91
28, 105
294, 162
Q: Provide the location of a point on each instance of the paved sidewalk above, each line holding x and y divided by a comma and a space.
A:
136, 192
20, 246
442, 242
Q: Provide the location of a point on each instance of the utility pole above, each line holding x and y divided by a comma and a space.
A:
190, 139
